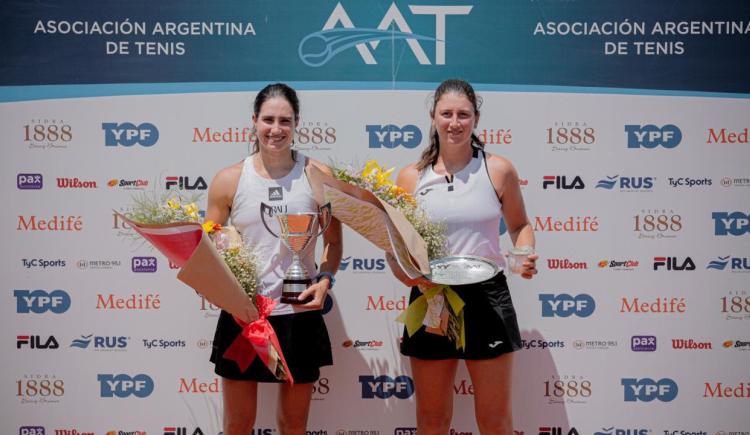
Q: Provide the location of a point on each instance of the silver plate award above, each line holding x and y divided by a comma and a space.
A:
461, 270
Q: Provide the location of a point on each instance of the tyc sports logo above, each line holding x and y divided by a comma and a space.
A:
383, 387
392, 136
565, 305
128, 134
648, 390
626, 184
122, 385
650, 136
29, 181
41, 301
318, 48
736, 264
734, 223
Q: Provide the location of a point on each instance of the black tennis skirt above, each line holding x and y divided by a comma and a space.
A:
304, 340
490, 325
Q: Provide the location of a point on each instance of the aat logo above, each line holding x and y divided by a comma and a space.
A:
319, 48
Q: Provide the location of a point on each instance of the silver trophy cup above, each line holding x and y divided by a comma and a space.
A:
296, 231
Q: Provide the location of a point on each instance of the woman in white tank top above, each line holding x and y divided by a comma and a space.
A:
458, 183
275, 175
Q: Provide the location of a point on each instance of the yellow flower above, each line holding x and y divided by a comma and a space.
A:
375, 172
174, 205
191, 210
210, 227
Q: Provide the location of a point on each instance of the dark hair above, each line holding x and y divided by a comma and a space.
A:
454, 86
280, 90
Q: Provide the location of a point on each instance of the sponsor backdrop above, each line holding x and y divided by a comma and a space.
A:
627, 121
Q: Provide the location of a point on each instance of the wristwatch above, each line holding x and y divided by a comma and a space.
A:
328, 275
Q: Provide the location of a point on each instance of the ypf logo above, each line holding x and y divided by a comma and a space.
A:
565, 305
383, 387
650, 136
122, 385
391, 136
128, 134
647, 389
318, 48
40, 301
735, 223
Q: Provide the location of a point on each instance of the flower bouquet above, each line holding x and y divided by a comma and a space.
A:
216, 263
370, 203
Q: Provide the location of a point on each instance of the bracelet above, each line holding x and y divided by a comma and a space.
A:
328, 275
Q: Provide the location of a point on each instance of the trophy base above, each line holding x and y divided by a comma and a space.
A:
291, 298
292, 289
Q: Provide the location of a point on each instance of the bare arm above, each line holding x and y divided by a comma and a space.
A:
505, 179
333, 249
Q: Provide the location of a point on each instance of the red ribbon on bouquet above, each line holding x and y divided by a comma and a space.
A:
258, 339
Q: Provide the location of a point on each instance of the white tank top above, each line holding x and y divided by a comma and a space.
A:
289, 194
468, 205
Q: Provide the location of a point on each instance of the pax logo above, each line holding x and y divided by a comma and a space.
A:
123, 385
143, 264
562, 182
31, 430
648, 390
383, 387
36, 342
565, 305
650, 136
40, 301
318, 48
734, 223
672, 263
128, 134
184, 183
643, 343
392, 136
736, 264
628, 184
362, 264
29, 181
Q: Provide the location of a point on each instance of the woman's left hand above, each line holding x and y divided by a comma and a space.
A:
318, 292
529, 266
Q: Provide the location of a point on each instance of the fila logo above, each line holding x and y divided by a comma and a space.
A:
672, 263
561, 182
275, 193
